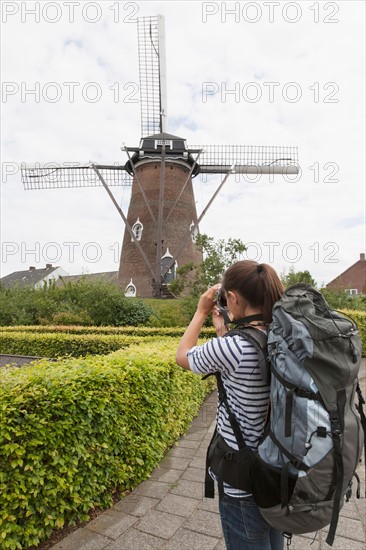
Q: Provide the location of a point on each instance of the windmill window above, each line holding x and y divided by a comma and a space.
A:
167, 268
137, 229
130, 290
166, 142
194, 231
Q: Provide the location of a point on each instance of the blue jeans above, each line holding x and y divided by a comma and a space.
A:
244, 527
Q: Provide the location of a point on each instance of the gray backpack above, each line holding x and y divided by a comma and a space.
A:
314, 438
312, 444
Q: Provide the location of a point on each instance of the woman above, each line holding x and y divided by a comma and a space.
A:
250, 290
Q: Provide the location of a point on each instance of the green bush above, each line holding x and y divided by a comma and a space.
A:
70, 318
61, 344
73, 432
171, 313
339, 299
359, 318
97, 302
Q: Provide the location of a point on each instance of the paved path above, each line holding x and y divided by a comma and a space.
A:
169, 511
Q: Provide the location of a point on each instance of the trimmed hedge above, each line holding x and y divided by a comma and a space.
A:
53, 345
73, 432
359, 318
79, 329
79, 341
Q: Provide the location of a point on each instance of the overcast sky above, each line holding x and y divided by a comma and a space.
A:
284, 73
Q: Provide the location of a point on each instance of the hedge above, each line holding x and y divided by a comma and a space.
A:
359, 317
59, 345
72, 434
79, 341
80, 329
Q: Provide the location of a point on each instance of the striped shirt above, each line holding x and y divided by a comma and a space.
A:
236, 360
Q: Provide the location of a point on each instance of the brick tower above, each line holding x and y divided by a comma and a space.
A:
162, 215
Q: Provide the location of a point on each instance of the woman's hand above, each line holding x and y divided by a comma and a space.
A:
218, 322
207, 301
189, 339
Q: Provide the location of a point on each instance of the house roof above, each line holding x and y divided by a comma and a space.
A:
29, 277
353, 277
110, 276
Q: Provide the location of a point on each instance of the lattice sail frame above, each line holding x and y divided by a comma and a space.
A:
261, 159
214, 159
152, 73
58, 176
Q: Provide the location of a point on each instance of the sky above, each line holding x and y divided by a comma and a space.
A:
248, 73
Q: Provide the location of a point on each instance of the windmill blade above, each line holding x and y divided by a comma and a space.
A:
58, 176
152, 71
248, 159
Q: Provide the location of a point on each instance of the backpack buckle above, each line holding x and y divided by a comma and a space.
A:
296, 463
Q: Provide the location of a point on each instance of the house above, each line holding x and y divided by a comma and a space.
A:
353, 280
35, 277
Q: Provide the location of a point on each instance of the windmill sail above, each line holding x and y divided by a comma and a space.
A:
153, 97
60, 176
248, 159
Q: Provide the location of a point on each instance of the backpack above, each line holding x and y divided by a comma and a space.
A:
312, 443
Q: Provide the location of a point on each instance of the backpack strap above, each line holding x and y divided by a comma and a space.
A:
259, 339
231, 416
339, 469
361, 412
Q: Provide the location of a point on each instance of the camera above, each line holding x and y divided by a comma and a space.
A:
221, 299
221, 303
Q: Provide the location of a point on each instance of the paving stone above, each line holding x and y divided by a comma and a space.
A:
182, 452
206, 523
350, 510
176, 504
166, 475
351, 528
82, 539
341, 543
151, 488
160, 524
135, 540
300, 542
175, 463
201, 425
192, 489
209, 504
189, 443
221, 545
193, 474
135, 505
111, 525
188, 540
196, 435
198, 462
361, 507
201, 452
198, 428
207, 413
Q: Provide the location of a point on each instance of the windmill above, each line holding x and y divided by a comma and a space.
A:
162, 223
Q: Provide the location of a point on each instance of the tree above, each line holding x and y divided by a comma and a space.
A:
217, 257
292, 277
339, 299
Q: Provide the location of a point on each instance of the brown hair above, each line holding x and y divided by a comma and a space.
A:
259, 284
